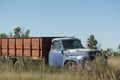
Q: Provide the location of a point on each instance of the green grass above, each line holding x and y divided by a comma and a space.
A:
31, 70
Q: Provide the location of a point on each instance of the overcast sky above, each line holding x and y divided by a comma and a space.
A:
79, 18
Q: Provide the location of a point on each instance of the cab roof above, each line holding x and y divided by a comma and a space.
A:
66, 38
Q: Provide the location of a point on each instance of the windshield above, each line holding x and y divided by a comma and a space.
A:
72, 44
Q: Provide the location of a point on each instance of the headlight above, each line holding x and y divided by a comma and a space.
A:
80, 57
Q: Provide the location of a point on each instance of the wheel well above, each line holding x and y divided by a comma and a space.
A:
68, 61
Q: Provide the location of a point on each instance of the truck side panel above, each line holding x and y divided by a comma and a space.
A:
29, 47
4, 46
19, 47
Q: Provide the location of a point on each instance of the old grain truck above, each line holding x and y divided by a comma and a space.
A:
55, 50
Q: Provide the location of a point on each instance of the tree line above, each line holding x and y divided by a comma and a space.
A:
17, 33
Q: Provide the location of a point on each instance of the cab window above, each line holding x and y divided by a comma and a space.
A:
56, 45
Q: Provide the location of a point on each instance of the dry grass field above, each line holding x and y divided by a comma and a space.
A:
96, 70
114, 61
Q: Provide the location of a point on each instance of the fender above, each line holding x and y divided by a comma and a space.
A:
77, 59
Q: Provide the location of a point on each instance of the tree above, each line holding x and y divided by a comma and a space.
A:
17, 33
11, 35
119, 47
3, 35
26, 33
92, 42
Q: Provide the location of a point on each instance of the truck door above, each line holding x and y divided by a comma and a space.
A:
55, 55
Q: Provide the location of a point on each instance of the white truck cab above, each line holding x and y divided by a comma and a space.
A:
68, 49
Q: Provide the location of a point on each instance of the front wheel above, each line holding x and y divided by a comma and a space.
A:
70, 65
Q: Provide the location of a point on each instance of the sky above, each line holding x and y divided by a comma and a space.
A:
79, 18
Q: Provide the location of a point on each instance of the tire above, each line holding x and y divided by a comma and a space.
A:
70, 65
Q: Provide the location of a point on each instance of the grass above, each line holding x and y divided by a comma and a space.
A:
31, 70
115, 61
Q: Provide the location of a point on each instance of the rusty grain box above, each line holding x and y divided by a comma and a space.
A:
33, 47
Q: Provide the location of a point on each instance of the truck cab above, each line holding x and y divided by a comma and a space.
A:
64, 50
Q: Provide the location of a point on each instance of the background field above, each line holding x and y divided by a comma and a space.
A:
96, 70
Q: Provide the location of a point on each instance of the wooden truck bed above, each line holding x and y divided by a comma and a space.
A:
34, 47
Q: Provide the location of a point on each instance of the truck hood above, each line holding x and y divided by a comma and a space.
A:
81, 50
76, 52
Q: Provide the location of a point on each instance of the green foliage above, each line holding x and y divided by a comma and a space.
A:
111, 52
119, 47
92, 42
11, 35
26, 33
19, 33
3, 35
